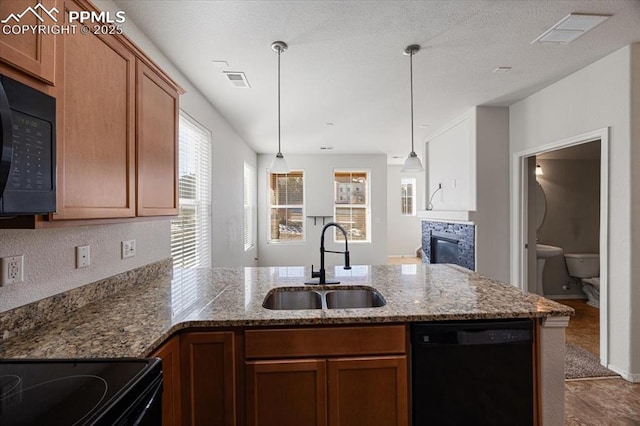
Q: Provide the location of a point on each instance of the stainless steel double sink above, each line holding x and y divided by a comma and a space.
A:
293, 298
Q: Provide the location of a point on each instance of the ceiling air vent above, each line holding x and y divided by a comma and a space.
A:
237, 79
570, 28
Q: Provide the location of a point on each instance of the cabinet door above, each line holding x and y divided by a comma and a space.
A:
157, 145
208, 378
368, 391
34, 54
171, 395
96, 127
287, 393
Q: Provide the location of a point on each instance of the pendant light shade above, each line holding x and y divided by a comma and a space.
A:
279, 165
412, 163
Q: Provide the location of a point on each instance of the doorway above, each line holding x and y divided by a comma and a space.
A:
523, 254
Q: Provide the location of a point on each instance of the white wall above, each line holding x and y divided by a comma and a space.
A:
595, 97
491, 128
403, 232
229, 154
318, 177
49, 254
451, 160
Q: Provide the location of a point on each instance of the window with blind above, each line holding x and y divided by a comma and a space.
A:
351, 208
249, 206
191, 230
286, 207
408, 196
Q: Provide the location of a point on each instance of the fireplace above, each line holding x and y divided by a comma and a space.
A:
444, 248
449, 242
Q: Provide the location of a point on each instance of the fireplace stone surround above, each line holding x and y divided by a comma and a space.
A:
463, 233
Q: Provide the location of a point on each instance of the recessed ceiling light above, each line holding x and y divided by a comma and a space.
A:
570, 28
329, 124
326, 148
397, 157
237, 79
502, 70
424, 126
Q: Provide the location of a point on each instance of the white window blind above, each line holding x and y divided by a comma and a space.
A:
191, 231
351, 208
249, 206
286, 207
408, 196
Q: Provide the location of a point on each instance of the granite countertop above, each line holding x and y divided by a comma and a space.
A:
133, 322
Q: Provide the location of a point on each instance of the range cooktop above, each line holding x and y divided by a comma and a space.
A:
76, 392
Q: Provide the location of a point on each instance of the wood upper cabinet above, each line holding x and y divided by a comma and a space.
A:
33, 54
96, 132
171, 390
157, 144
208, 378
287, 393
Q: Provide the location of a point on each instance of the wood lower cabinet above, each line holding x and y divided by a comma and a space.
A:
208, 378
287, 393
369, 391
358, 376
171, 389
33, 54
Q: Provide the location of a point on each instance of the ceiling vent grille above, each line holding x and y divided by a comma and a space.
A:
570, 28
237, 79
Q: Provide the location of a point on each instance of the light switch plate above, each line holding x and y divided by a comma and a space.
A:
83, 256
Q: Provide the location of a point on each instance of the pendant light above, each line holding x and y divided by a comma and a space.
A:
279, 165
412, 163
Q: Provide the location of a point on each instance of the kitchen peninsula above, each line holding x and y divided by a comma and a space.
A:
224, 305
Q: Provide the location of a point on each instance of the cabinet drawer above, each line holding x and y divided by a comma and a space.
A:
331, 341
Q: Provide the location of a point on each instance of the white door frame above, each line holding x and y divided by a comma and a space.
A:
519, 218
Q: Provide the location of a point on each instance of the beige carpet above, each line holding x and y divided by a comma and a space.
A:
581, 364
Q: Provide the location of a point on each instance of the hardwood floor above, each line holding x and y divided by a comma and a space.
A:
584, 326
601, 401
403, 261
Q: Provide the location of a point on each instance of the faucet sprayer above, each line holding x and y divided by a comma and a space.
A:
321, 274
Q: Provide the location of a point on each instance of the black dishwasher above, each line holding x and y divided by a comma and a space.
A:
472, 373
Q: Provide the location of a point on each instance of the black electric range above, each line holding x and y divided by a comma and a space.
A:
81, 392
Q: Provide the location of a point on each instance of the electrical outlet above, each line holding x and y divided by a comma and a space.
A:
83, 256
12, 270
128, 248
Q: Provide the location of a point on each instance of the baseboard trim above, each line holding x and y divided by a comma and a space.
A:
630, 377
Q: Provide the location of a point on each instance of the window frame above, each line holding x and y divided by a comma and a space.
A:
366, 206
250, 207
413, 183
303, 240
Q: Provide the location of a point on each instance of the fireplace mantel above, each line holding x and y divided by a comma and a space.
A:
459, 216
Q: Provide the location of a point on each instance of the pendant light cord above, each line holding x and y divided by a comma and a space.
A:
411, 78
279, 51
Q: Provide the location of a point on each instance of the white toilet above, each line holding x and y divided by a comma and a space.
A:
586, 266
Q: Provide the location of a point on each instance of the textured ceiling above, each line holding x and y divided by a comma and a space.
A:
345, 64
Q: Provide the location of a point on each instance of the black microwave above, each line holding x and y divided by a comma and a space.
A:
27, 150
